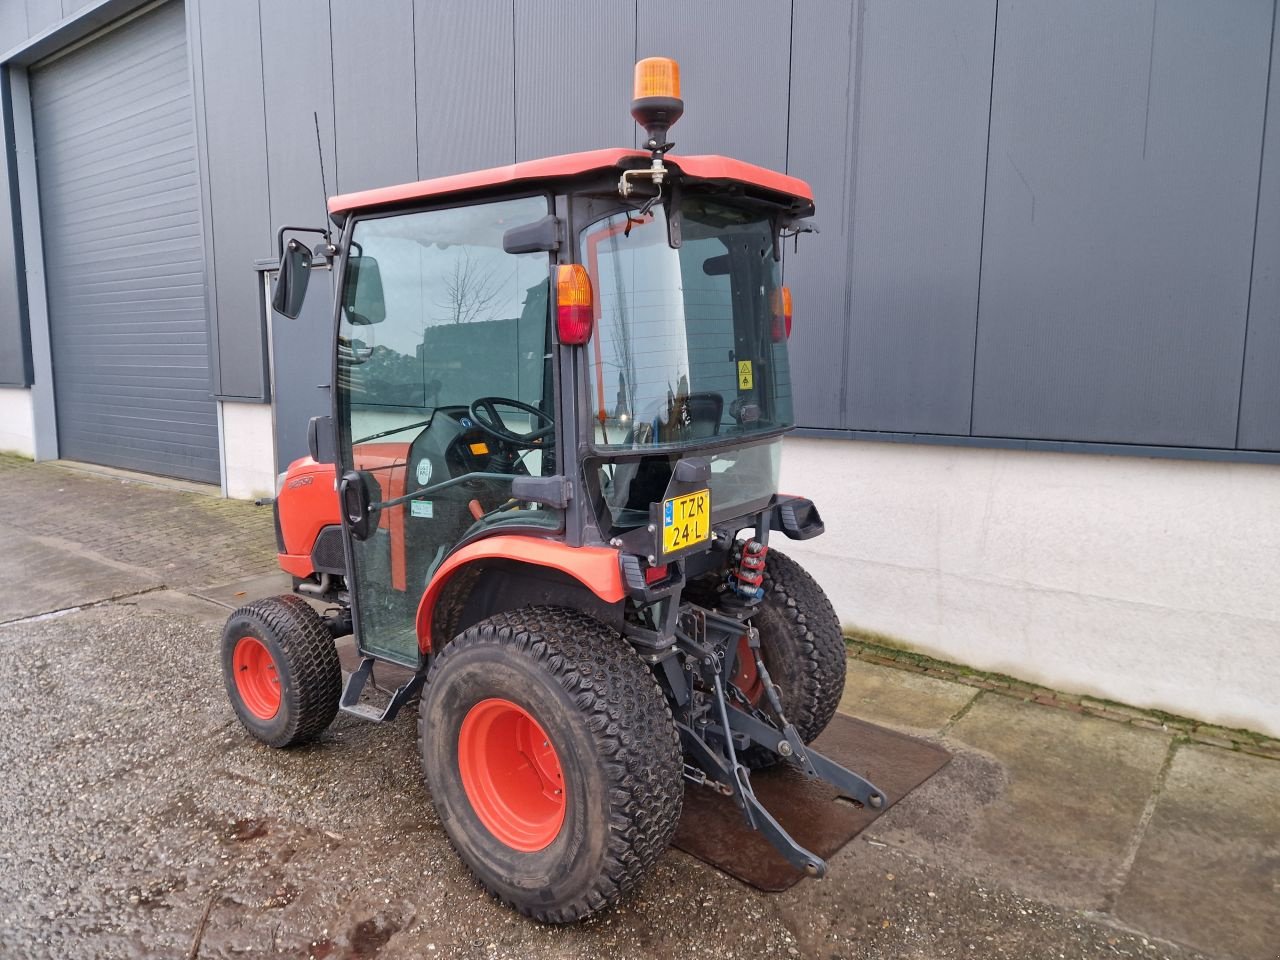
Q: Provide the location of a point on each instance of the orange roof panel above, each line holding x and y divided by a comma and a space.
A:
707, 167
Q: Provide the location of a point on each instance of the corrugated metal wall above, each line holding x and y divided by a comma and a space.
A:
1039, 220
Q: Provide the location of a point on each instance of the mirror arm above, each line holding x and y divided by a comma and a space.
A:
329, 250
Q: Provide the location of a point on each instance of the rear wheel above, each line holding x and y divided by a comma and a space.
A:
281, 670
802, 647
552, 760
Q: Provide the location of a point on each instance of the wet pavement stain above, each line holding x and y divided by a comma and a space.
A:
242, 831
371, 935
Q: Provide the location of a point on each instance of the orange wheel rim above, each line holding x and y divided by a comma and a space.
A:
511, 774
257, 680
746, 677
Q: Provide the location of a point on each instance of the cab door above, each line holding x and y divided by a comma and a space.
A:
438, 326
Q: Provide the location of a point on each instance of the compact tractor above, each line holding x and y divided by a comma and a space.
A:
548, 488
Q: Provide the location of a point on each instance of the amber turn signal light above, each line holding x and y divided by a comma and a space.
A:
781, 302
573, 304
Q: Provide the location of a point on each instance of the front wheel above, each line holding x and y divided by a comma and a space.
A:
281, 670
552, 759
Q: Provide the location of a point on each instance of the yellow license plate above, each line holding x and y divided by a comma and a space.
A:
686, 521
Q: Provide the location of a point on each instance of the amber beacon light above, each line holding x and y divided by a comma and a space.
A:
656, 103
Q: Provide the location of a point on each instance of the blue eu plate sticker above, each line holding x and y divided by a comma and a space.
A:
668, 516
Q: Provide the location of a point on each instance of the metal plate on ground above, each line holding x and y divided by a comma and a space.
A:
713, 829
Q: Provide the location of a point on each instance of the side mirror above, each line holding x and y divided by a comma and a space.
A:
362, 298
291, 282
356, 492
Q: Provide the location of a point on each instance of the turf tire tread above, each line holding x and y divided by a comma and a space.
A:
797, 596
308, 646
631, 725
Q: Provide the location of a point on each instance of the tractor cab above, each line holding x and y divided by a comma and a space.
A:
527, 352
547, 488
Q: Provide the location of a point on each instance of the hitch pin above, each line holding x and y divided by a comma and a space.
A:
699, 778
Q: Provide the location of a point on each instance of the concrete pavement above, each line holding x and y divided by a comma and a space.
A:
148, 824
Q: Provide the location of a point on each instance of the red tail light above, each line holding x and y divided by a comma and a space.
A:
573, 304
655, 574
781, 301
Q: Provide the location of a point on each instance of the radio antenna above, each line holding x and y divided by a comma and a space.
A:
324, 186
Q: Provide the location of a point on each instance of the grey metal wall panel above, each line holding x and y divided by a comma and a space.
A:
120, 205
1123, 172
464, 47
15, 353
235, 165
42, 14
916, 210
734, 65
297, 82
1260, 393
375, 100
573, 75
821, 152
13, 24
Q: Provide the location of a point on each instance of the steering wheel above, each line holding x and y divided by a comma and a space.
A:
484, 412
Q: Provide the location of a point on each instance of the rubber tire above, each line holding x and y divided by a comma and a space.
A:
614, 736
801, 644
306, 662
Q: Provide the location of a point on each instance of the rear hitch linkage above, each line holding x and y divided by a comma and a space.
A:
713, 732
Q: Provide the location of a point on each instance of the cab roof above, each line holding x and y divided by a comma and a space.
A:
702, 167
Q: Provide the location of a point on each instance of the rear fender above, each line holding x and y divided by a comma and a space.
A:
596, 569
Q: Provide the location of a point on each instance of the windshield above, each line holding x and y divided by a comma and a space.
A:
688, 345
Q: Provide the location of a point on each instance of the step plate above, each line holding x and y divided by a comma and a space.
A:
713, 829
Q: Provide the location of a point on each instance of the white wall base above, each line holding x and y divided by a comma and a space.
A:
17, 423
248, 450
1147, 581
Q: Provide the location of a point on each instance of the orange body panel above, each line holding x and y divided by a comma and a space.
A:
306, 504
596, 568
705, 167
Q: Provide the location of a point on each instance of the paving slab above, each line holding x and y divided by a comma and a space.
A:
183, 604
1043, 800
54, 576
183, 538
899, 698
1208, 870
239, 592
878, 903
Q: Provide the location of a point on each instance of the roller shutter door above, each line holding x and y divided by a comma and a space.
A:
124, 256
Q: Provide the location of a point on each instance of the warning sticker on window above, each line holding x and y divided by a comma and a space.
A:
745, 379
